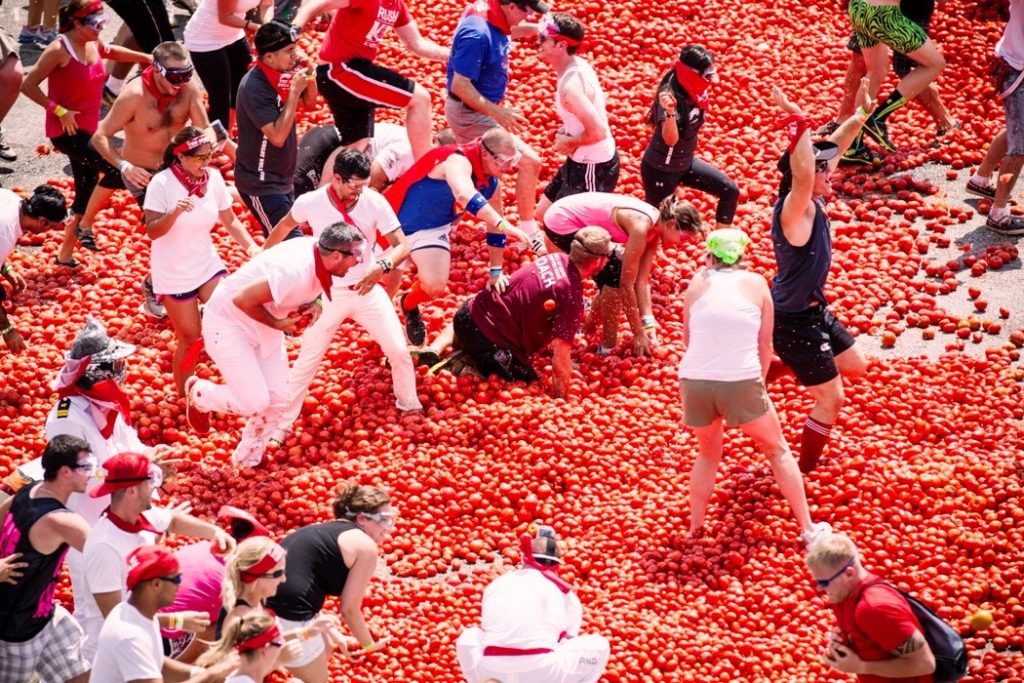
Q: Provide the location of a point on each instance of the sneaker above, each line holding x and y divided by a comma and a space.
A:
415, 328
198, 420
46, 37
29, 35
986, 191
827, 129
7, 152
151, 306
254, 440
819, 531
878, 131
537, 243
428, 357
108, 97
1008, 225
859, 155
456, 363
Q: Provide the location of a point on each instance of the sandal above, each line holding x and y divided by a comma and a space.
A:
67, 264
86, 238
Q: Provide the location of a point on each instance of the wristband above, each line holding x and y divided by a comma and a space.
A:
385, 264
370, 648
306, 633
497, 239
5, 269
475, 203
863, 113
319, 303
648, 322
58, 110
495, 270
177, 622
122, 165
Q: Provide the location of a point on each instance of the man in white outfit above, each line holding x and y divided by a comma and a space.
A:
592, 163
530, 622
348, 198
244, 327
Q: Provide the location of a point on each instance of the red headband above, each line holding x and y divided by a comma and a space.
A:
191, 144
549, 29
260, 639
94, 7
275, 554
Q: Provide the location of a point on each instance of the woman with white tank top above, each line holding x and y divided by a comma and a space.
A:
728, 338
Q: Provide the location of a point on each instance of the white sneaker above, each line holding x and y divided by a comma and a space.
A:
248, 453
818, 532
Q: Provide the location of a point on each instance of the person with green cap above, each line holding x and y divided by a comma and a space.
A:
727, 334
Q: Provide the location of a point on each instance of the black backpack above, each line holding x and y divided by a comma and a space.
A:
946, 644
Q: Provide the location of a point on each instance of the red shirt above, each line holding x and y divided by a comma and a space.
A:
874, 621
356, 30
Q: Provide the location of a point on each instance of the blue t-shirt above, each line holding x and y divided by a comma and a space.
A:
480, 53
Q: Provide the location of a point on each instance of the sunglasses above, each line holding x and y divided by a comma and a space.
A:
175, 75
276, 574
201, 158
505, 162
176, 580
821, 166
824, 583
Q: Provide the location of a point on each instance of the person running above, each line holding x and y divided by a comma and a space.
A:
807, 337
353, 85
542, 305
879, 25
257, 639
150, 111
727, 337
677, 114
333, 558
44, 210
592, 163
244, 327
355, 296
184, 202
625, 279
72, 67
431, 197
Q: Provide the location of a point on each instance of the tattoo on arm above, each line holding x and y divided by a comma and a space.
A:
912, 644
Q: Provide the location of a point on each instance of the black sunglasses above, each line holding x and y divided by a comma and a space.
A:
343, 251
821, 166
276, 574
176, 580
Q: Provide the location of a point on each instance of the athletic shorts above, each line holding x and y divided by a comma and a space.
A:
874, 24
575, 178
1013, 106
809, 341
55, 653
311, 649
901, 64
353, 91
608, 276
8, 46
434, 238
191, 294
488, 357
740, 402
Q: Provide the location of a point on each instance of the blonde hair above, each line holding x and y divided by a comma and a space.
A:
245, 555
237, 630
831, 552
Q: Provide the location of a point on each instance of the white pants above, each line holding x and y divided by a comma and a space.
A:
574, 660
375, 313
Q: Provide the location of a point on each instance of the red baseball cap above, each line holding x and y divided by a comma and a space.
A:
122, 471
150, 562
231, 512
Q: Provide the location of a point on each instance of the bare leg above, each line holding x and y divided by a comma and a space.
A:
876, 61
932, 103
418, 123
702, 476
526, 185
35, 13
49, 20
1008, 172
994, 156
314, 672
767, 432
930, 65
855, 70
185, 320
10, 83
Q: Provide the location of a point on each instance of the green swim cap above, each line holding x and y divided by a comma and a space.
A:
728, 244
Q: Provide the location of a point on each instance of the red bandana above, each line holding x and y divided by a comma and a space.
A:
149, 81
106, 399
491, 11
693, 83
549, 573
141, 524
259, 640
195, 186
322, 274
339, 204
277, 80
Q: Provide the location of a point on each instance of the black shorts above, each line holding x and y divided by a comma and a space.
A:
353, 91
488, 357
575, 178
608, 276
809, 341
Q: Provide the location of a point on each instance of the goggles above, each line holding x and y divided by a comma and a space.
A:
176, 580
506, 162
96, 21
156, 476
175, 75
89, 465
386, 519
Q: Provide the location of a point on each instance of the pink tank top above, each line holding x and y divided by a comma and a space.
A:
78, 87
575, 212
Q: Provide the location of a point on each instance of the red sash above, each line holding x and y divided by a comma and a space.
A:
425, 164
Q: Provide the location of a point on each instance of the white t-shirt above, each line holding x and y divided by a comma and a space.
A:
184, 259
390, 148
10, 222
372, 215
1011, 46
205, 33
522, 609
129, 648
289, 269
106, 552
596, 152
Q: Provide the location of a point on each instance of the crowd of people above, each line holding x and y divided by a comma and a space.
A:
344, 212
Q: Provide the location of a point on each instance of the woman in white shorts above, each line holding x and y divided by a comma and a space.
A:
184, 202
728, 340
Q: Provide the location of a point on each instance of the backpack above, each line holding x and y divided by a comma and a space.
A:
946, 644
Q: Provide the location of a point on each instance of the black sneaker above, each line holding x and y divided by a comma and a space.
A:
827, 129
861, 156
880, 134
986, 191
415, 328
7, 152
428, 357
1008, 225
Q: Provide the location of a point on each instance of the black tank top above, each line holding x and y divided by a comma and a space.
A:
314, 149
802, 270
314, 569
678, 157
26, 608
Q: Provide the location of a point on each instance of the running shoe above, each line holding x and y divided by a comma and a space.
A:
942, 132
277, 438
86, 237
879, 133
415, 328
859, 155
46, 37
978, 190
253, 441
198, 420
150, 306
456, 364
30, 36
827, 129
818, 532
428, 357
7, 152
1008, 225
108, 97
187, 5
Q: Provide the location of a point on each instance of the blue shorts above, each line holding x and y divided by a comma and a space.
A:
1014, 108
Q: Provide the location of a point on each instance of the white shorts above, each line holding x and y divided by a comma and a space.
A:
311, 649
55, 653
434, 238
574, 660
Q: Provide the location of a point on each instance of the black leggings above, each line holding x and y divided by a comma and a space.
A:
147, 20
86, 166
221, 71
700, 176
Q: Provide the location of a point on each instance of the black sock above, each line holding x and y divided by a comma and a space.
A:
891, 104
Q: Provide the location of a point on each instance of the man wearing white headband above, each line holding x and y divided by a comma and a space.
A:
530, 623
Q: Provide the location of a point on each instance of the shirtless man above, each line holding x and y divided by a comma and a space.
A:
150, 111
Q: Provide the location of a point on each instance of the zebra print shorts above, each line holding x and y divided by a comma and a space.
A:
874, 24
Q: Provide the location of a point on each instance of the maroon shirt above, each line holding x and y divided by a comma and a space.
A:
521, 320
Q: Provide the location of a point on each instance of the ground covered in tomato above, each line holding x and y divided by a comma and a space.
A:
925, 474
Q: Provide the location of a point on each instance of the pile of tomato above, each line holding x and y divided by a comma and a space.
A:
924, 471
